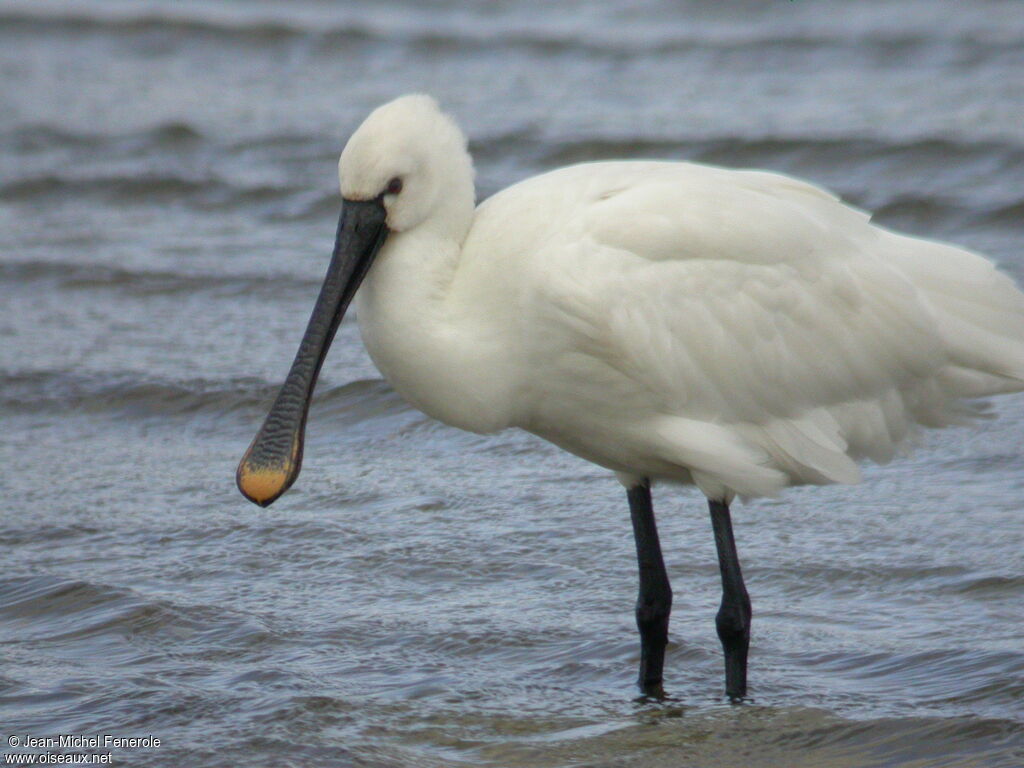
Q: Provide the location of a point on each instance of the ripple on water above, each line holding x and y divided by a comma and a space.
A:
424, 597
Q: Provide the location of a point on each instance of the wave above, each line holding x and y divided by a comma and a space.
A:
146, 20
181, 136
212, 189
147, 282
59, 610
167, 151
941, 210
464, 32
274, 202
131, 394
150, 187
34, 137
177, 136
1009, 215
736, 149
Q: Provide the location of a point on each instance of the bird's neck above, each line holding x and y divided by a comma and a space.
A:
435, 349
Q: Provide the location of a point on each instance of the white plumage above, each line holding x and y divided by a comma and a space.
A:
740, 330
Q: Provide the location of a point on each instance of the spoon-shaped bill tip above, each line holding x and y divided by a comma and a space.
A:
262, 479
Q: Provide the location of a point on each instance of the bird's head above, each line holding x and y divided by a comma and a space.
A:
410, 156
406, 167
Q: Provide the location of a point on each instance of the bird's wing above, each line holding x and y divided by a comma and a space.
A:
758, 314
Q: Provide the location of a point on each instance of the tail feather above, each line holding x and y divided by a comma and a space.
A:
979, 313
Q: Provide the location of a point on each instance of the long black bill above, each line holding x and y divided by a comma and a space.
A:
274, 459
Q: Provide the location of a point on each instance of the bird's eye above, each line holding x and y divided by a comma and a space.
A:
394, 186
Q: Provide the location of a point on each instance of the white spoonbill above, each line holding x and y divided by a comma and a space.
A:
740, 331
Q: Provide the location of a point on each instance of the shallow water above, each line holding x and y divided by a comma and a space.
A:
425, 597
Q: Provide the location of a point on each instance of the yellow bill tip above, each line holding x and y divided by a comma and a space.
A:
263, 485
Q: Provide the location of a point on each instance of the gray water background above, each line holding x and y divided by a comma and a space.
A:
425, 597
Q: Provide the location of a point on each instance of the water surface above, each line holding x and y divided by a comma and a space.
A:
425, 597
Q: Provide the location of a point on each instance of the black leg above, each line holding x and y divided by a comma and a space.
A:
733, 619
654, 603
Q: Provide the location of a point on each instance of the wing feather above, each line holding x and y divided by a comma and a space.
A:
774, 333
